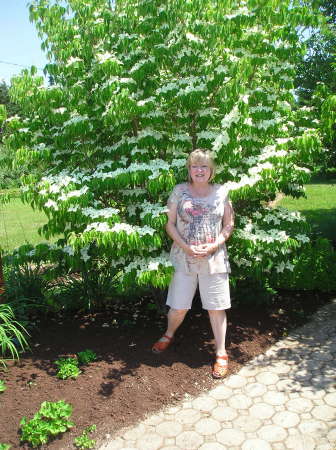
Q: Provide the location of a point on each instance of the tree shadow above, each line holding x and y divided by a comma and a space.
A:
324, 221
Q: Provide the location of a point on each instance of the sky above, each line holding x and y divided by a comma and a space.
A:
19, 42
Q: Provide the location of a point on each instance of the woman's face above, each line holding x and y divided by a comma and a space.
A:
199, 172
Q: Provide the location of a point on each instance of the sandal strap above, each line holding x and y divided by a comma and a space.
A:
222, 357
167, 337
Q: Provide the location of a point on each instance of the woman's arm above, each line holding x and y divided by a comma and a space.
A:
175, 235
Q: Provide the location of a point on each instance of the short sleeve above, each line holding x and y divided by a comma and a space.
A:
173, 197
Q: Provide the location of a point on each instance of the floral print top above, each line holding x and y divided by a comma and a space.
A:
199, 221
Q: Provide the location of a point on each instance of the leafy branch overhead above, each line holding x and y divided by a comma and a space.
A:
136, 86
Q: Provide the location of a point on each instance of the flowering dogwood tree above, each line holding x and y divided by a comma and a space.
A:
137, 85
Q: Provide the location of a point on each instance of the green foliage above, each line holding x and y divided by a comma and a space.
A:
3, 386
314, 269
317, 64
84, 440
26, 288
12, 335
67, 368
5, 446
138, 85
86, 356
48, 422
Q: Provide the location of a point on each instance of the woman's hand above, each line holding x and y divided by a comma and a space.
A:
200, 251
209, 249
195, 251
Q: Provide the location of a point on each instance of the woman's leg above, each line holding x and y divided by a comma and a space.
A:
175, 318
219, 324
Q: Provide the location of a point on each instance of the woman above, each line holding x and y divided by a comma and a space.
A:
200, 221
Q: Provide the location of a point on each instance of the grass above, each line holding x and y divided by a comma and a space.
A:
19, 224
319, 207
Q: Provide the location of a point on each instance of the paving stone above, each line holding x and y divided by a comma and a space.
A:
280, 367
300, 442
312, 394
235, 381
149, 441
204, 403
207, 426
133, 434
278, 446
169, 429
262, 411
275, 398
286, 419
170, 447
153, 420
240, 401
288, 385
172, 410
267, 378
248, 423
248, 371
221, 392
255, 389
213, 446
116, 444
324, 413
299, 405
224, 413
189, 440
256, 444
313, 427
332, 435
230, 437
169, 441
187, 416
272, 433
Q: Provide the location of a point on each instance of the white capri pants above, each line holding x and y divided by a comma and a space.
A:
214, 289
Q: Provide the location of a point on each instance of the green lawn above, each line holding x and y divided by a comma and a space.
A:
319, 207
19, 224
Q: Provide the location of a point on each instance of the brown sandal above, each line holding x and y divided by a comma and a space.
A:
220, 370
161, 346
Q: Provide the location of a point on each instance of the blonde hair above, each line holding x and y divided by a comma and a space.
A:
201, 156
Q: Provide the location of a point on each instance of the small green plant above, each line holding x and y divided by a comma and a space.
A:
5, 446
86, 356
3, 387
51, 420
12, 334
67, 368
84, 441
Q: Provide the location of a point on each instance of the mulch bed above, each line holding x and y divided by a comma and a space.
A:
128, 381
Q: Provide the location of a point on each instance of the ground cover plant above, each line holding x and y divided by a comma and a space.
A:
84, 440
51, 420
67, 368
3, 386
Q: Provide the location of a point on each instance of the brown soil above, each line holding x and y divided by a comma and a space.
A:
128, 381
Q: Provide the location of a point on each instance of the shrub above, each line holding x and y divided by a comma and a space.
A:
48, 422
133, 97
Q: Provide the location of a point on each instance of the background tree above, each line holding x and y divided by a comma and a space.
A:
318, 63
138, 85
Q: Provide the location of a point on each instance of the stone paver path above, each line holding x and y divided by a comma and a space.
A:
284, 399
